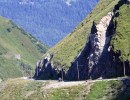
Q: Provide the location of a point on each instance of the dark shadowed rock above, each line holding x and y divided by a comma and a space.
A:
91, 61
48, 71
127, 82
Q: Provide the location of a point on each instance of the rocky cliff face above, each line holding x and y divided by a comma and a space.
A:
99, 41
97, 46
89, 61
97, 59
46, 70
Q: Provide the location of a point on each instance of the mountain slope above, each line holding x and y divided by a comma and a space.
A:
67, 50
97, 48
16, 48
49, 21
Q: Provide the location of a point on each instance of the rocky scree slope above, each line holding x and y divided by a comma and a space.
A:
103, 55
18, 49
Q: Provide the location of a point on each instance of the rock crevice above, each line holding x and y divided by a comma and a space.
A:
98, 44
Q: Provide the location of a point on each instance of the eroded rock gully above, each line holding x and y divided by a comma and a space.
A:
89, 61
98, 60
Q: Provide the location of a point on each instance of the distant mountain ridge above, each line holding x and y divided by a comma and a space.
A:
47, 20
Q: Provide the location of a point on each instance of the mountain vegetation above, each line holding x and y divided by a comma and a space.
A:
49, 21
18, 49
66, 51
121, 40
98, 47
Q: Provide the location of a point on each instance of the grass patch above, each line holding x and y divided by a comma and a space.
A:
70, 93
19, 89
104, 89
121, 40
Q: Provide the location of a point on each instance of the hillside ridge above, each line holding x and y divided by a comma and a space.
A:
98, 58
18, 50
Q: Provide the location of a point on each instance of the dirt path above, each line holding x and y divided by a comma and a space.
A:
63, 84
74, 83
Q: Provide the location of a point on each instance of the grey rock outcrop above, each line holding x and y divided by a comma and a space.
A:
38, 68
45, 69
98, 44
99, 41
97, 59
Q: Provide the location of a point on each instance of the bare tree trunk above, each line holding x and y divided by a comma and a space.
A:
31, 73
37, 71
23, 71
62, 74
78, 70
124, 67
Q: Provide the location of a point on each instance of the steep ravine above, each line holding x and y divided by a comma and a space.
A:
92, 60
97, 59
